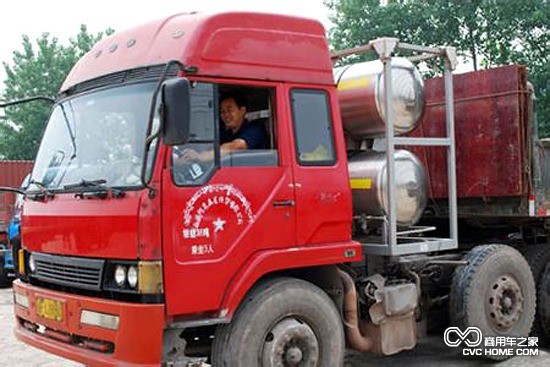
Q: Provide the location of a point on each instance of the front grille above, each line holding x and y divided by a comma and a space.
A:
69, 271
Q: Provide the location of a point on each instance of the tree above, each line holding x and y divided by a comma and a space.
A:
38, 70
486, 32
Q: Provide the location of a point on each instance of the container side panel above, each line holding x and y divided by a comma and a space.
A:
11, 174
490, 127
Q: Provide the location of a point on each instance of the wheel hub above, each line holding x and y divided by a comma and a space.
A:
293, 355
290, 343
505, 303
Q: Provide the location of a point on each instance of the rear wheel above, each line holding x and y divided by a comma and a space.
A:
538, 256
495, 292
543, 303
284, 322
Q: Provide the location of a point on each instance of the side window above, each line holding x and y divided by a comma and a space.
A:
193, 162
247, 114
312, 127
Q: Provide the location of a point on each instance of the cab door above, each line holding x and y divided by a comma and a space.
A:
323, 194
218, 214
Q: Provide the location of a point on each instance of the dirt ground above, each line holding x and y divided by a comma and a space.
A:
430, 352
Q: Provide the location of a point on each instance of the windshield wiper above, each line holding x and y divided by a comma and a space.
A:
43, 192
99, 190
86, 183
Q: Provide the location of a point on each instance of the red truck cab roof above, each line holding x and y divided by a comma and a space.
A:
234, 45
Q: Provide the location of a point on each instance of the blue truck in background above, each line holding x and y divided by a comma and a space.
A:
10, 241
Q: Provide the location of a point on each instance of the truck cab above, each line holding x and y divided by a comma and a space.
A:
118, 228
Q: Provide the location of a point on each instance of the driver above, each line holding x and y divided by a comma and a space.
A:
237, 133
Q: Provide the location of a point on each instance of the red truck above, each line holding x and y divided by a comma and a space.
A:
282, 256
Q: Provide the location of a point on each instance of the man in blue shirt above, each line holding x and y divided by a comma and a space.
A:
236, 133
239, 134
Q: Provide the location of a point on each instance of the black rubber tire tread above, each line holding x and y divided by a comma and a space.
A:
3, 273
469, 285
269, 302
543, 303
538, 257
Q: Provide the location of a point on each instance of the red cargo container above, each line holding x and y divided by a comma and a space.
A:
496, 143
11, 174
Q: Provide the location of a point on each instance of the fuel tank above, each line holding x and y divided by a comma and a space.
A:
361, 96
369, 185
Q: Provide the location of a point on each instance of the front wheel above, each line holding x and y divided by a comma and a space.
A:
283, 322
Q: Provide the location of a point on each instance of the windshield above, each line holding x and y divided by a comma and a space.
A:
96, 137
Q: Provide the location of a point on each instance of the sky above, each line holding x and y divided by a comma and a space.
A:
62, 18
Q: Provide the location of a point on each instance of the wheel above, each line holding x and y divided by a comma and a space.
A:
538, 256
284, 322
543, 307
494, 292
3, 272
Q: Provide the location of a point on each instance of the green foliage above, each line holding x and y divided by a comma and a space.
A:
487, 33
38, 69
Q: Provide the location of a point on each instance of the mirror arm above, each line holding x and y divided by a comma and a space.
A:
12, 189
151, 137
26, 100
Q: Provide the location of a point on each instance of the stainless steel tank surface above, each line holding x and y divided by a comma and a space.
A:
361, 97
368, 180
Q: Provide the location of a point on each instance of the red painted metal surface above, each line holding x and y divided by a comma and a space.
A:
271, 261
235, 45
136, 342
12, 174
83, 227
491, 133
323, 193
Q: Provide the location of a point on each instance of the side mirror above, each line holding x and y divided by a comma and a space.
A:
177, 111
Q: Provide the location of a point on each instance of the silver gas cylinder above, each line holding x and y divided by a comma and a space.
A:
362, 102
369, 185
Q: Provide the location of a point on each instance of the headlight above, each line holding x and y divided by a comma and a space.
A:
32, 263
132, 276
120, 275
138, 277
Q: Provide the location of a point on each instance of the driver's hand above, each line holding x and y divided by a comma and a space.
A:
189, 155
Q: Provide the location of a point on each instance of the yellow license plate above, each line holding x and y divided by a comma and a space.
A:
49, 309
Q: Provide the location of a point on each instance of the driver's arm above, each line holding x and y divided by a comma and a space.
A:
208, 155
237, 144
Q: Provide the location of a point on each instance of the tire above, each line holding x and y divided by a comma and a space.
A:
282, 320
3, 273
543, 304
494, 292
538, 257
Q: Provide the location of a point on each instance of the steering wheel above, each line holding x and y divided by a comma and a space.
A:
188, 171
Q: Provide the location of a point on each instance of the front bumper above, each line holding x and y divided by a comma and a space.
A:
136, 341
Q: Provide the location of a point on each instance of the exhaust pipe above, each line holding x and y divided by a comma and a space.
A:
355, 339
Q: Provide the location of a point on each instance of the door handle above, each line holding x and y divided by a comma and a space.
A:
283, 203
